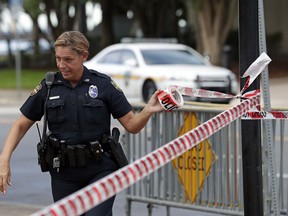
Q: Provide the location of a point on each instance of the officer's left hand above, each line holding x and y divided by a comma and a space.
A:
133, 123
154, 104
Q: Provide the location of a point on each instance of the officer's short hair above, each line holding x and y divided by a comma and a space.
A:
73, 39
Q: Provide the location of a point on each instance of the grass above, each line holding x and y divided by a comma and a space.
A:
29, 78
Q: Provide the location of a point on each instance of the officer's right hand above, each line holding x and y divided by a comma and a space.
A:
4, 175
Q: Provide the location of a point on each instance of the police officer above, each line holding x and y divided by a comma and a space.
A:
79, 108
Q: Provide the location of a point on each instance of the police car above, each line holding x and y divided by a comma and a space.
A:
141, 68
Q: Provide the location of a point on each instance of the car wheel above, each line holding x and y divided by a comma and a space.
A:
148, 90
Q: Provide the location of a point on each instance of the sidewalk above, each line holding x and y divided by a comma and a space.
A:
13, 97
11, 100
12, 209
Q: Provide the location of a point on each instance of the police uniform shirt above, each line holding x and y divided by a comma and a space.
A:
80, 114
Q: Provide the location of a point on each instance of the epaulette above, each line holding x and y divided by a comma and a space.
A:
99, 74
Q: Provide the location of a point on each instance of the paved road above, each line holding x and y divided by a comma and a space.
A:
31, 188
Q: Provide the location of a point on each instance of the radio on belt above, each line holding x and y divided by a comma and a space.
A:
170, 98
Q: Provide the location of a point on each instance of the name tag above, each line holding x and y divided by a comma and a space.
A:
54, 97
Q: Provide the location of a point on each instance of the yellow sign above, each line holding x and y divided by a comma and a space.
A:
195, 164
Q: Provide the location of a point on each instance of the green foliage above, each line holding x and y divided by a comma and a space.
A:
32, 7
30, 78
197, 4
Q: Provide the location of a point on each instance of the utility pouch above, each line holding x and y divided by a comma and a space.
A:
97, 149
41, 150
48, 150
80, 156
116, 148
74, 156
70, 156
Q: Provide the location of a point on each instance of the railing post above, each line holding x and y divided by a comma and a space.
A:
251, 130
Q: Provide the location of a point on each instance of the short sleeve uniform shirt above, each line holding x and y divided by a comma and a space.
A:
80, 114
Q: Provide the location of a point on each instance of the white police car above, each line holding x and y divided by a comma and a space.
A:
141, 68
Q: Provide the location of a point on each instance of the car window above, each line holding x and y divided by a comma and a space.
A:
166, 56
121, 56
127, 56
113, 57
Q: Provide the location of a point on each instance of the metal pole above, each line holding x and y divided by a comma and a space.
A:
16, 6
251, 130
268, 135
18, 62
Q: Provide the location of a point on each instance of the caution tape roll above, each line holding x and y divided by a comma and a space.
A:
170, 98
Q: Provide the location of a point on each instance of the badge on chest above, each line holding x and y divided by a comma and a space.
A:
93, 91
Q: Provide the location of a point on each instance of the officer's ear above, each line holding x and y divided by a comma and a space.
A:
85, 55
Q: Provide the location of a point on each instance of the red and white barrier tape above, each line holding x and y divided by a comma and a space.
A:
252, 115
171, 97
254, 70
94, 194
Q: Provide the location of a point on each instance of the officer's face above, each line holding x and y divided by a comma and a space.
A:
70, 63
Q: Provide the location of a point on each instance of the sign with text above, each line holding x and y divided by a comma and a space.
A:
194, 165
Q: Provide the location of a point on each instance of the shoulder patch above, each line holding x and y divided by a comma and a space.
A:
115, 85
36, 89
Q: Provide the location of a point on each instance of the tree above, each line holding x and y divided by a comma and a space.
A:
31, 7
151, 17
214, 19
66, 15
156, 18
61, 16
6, 36
107, 33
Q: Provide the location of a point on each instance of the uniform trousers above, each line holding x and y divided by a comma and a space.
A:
70, 180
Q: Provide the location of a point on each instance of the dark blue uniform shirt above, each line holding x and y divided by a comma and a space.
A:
80, 114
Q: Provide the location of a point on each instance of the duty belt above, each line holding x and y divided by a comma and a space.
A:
54, 153
76, 155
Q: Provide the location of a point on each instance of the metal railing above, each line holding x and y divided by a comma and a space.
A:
220, 190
